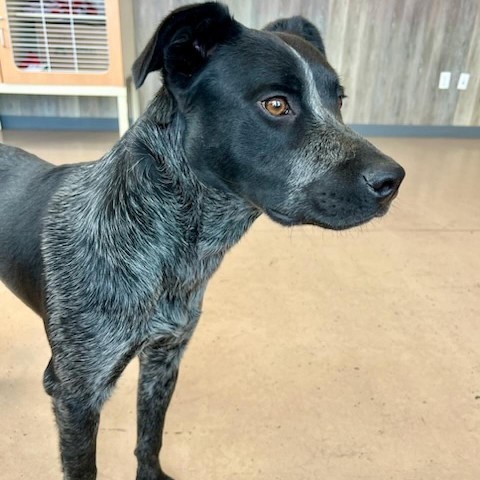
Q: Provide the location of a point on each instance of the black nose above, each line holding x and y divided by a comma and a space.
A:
383, 181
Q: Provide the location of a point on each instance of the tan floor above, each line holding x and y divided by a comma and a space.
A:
320, 355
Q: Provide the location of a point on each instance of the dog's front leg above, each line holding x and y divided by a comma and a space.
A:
158, 375
79, 380
78, 426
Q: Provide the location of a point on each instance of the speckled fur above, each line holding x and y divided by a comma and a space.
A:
129, 244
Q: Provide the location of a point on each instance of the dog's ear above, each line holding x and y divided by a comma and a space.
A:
298, 26
184, 41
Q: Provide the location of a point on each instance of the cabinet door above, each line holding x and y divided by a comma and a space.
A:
61, 43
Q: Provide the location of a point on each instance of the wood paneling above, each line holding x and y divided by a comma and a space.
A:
389, 54
467, 110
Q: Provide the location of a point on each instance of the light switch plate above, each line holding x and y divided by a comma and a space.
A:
463, 81
444, 81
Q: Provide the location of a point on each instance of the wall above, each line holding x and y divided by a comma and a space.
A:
389, 54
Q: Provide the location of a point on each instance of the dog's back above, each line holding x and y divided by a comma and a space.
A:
26, 185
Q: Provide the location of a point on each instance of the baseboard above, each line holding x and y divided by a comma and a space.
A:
445, 131
13, 122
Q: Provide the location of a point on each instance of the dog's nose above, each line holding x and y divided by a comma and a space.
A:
384, 181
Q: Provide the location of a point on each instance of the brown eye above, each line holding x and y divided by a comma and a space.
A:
276, 106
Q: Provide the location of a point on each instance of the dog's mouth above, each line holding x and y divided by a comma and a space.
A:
290, 220
281, 218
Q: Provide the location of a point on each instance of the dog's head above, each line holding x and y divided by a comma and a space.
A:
262, 116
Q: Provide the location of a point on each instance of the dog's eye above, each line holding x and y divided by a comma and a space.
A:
340, 98
276, 106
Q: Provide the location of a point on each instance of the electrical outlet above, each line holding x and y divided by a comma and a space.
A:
463, 81
444, 82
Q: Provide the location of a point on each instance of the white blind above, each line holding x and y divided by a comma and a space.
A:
59, 36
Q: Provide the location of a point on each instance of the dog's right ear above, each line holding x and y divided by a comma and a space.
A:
300, 26
183, 43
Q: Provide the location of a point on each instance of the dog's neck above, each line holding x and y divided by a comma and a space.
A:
152, 177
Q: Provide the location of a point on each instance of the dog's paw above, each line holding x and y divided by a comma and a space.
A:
152, 475
163, 476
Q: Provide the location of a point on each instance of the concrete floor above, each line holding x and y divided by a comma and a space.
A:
320, 355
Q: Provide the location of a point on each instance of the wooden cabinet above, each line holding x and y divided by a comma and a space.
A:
87, 45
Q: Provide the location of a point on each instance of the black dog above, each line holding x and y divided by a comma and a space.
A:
115, 255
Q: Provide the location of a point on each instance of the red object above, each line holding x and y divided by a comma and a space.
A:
62, 7
28, 60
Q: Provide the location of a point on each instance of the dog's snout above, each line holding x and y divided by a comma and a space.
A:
384, 181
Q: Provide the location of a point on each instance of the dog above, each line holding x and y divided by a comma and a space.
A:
115, 254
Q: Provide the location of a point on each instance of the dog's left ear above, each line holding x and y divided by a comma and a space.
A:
184, 41
300, 26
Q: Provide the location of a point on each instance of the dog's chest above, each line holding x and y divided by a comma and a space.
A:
179, 303
140, 265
